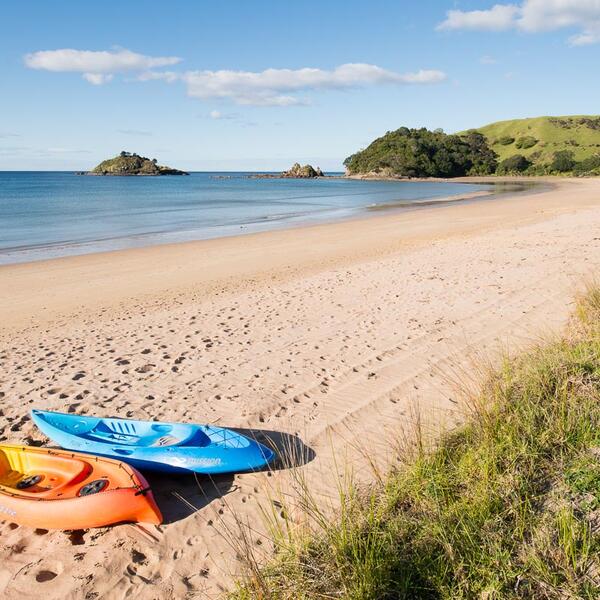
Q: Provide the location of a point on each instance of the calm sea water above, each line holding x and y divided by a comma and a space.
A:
45, 215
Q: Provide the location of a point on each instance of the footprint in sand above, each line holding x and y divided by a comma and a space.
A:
76, 537
194, 540
139, 558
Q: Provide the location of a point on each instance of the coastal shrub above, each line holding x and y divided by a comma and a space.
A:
537, 169
423, 153
505, 140
516, 163
590, 122
588, 165
525, 142
504, 507
562, 161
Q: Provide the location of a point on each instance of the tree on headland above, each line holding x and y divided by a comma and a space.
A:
482, 159
588, 166
562, 161
516, 163
423, 153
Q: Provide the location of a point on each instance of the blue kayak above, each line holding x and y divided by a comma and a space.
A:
172, 447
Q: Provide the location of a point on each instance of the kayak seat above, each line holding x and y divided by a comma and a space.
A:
190, 435
165, 440
157, 435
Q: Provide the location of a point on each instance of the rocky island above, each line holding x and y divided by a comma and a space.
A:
297, 171
130, 164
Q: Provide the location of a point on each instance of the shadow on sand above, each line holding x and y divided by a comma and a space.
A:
290, 450
181, 495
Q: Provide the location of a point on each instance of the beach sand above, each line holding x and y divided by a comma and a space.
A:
330, 339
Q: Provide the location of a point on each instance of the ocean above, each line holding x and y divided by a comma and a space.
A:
52, 214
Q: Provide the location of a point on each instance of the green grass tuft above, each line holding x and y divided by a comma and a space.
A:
508, 506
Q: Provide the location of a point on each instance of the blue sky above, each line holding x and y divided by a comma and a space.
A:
259, 84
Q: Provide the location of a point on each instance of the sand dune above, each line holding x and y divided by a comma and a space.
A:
324, 338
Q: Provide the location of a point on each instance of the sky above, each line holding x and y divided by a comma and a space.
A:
260, 84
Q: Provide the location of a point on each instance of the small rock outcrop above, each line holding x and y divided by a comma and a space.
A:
296, 172
302, 172
132, 164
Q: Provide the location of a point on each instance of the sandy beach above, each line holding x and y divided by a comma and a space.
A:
328, 339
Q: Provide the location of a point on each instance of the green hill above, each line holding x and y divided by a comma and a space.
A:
537, 146
539, 138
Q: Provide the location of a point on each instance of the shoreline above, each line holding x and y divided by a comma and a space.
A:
87, 280
43, 252
321, 341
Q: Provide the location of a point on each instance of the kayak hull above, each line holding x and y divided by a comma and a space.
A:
59, 490
156, 446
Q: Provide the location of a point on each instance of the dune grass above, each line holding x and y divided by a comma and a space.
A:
508, 506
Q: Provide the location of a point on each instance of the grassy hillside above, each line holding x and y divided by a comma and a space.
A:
506, 507
578, 134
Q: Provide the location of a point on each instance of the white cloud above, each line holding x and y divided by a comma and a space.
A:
547, 15
96, 67
497, 18
271, 87
98, 78
587, 38
533, 16
279, 87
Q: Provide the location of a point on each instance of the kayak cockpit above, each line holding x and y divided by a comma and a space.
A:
37, 475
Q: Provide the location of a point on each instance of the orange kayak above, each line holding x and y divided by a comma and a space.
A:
58, 489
